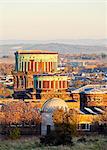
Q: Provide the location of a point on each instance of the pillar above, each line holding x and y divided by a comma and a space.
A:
49, 84
44, 66
37, 66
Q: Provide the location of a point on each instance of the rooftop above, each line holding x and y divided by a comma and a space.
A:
35, 52
50, 74
92, 89
53, 104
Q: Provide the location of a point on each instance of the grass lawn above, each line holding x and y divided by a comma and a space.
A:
32, 143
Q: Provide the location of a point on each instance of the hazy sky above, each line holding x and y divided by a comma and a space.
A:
53, 19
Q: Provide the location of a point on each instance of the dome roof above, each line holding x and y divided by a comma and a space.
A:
53, 104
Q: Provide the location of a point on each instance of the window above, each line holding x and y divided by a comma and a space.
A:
59, 84
45, 84
21, 79
40, 84
28, 66
22, 66
64, 84
48, 129
56, 84
84, 126
52, 84
25, 66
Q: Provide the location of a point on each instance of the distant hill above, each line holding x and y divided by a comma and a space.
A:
87, 42
77, 46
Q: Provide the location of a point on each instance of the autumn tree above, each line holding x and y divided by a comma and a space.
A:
103, 117
62, 133
66, 121
2, 117
21, 112
100, 122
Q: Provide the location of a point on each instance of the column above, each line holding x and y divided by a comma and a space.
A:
38, 83
41, 84
58, 84
61, 84
51, 66
49, 84
44, 66
54, 66
23, 66
26, 66
54, 84
18, 65
47, 66
66, 85
37, 66
31, 64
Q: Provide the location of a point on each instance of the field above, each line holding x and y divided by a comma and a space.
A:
32, 143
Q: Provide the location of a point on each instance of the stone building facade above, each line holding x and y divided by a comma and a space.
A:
91, 96
36, 75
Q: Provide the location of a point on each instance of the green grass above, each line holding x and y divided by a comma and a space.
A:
32, 143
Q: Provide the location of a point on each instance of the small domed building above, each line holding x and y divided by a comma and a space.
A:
47, 111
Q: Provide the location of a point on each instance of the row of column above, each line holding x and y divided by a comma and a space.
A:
20, 82
51, 84
37, 66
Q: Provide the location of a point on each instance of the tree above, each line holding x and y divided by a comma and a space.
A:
20, 112
103, 117
100, 122
2, 117
66, 121
58, 116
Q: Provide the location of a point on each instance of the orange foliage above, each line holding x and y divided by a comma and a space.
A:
19, 112
71, 116
103, 117
58, 116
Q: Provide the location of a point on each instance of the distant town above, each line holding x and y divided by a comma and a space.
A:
41, 90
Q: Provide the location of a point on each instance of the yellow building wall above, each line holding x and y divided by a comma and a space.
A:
73, 105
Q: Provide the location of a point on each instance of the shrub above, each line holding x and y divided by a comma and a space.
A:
82, 139
14, 133
57, 138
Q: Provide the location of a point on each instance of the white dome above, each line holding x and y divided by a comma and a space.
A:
53, 104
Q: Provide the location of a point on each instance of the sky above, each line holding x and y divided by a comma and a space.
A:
53, 19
